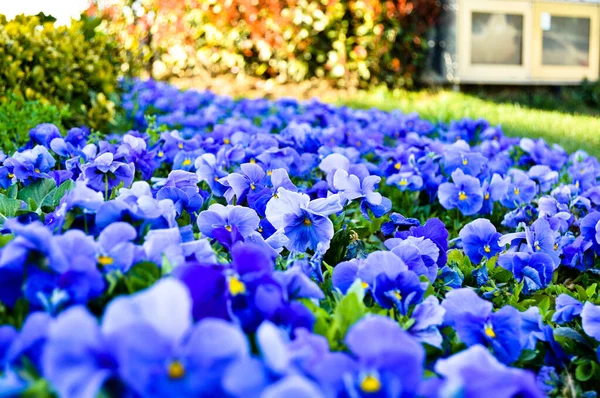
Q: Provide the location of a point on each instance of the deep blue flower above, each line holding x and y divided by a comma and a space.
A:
104, 173
493, 191
480, 239
567, 308
30, 164
418, 253
398, 223
534, 269
475, 323
43, 134
401, 292
463, 193
460, 156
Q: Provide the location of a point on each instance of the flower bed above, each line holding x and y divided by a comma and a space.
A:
277, 248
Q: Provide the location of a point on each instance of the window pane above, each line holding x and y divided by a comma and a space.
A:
496, 39
566, 42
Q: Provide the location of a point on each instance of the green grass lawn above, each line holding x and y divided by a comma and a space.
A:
572, 131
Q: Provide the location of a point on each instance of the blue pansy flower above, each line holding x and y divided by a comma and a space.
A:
475, 323
104, 173
390, 361
475, 372
464, 193
160, 352
567, 309
534, 269
218, 216
480, 239
350, 188
401, 292
521, 189
306, 223
428, 317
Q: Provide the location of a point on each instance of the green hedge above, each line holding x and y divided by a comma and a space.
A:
18, 116
74, 66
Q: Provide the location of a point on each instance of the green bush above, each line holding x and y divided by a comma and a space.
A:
18, 116
74, 66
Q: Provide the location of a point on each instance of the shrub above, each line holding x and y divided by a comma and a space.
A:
76, 66
18, 116
353, 42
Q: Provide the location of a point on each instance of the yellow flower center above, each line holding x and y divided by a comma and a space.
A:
37, 170
370, 384
187, 162
487, 249
176, 370
276, 196
364, 285
161, 154
516, 191
252, 186
105, 260
403, 182
486, 196
252, 161
556, 246
307, 222
236, 286
216, 178
269, 172
226, 141
228, 228
465, 161
260, 230
398, 295
180, 146
462, 195
489, 332
11, 175
398, 166
536, 244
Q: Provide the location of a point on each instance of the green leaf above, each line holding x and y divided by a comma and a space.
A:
349, 310
8, 208
35, 193
141, 276
52, 199
591, 290
584, 372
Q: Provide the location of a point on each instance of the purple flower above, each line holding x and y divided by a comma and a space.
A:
463, 193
